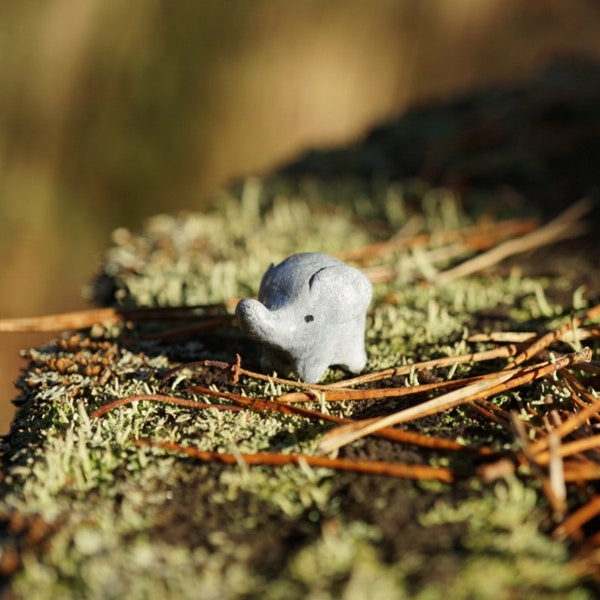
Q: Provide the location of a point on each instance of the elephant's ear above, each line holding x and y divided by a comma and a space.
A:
343, 287
266, 282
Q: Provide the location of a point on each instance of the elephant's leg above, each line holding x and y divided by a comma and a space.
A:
311, 370
356, 360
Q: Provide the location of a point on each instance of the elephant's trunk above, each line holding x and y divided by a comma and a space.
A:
258, 322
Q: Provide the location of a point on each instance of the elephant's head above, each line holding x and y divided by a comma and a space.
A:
310, 314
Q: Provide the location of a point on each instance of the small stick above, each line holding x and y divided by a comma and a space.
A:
341, 395
446, 361
556, 474
565, 226
386, 273
592, 367
238, 370
558, 504
571, 526
70, 320
349, 433
495, 413
580, 472
579, 393
258, 404
373, 467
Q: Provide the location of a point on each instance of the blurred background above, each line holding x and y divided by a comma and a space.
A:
112, 111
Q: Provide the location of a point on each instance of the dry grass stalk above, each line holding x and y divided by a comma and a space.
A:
569, 426
526, 457
558, 490
343, 395
61, 322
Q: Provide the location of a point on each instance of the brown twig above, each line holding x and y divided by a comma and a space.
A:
553, 483
572, 524
495, 413
346, 395
591, 442
83, 319
372, 467
60, 322
556, 475
349, 433
581, 472
436, 363
570, 425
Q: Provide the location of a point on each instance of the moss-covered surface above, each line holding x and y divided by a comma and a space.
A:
88, 514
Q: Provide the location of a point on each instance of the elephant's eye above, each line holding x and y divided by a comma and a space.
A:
309, 318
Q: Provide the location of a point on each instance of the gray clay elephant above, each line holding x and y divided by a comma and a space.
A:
310, 314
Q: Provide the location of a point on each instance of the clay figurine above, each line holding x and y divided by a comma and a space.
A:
310, 314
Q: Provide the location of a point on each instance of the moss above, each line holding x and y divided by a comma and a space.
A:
241, 532
508, 553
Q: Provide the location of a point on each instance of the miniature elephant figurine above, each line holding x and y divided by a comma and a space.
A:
310, 314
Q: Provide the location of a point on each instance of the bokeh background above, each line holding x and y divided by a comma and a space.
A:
112, 111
